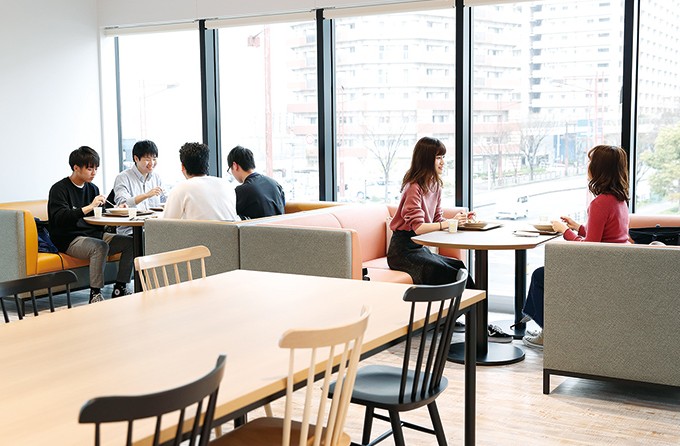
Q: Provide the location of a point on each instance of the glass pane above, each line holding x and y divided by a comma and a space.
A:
547, 82
268, 102
395, 84
160, 96
658, 126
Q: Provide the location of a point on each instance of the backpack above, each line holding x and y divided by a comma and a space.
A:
44, 242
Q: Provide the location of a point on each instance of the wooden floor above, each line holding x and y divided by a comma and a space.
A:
512, 410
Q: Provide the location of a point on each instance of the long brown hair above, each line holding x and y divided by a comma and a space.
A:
608, 171
422, 169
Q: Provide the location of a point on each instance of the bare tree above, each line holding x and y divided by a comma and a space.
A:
383, 140
531, 135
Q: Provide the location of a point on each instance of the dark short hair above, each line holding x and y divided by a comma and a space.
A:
195, 157
144, 147
83, 156
241, 156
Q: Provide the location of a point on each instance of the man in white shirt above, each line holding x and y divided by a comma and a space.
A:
201, 197
139, 186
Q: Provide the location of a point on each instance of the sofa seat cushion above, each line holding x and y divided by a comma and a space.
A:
380, 262
48, 263
388, 275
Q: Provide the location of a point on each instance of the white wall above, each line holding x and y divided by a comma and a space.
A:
49, 91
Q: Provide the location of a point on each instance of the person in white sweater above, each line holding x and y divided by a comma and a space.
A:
200, 197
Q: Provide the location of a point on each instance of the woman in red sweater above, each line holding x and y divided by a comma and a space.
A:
420, 212
607, 221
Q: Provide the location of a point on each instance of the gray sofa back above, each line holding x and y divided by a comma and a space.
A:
222, 238
316, 252
612, 310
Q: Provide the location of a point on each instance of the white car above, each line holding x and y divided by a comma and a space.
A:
512, 210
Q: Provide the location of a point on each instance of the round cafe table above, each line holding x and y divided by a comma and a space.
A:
137, 225
493, 236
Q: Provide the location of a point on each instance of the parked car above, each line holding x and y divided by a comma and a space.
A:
513, 209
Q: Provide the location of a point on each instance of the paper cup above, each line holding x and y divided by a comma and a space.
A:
98, 212
132, 212
453, 225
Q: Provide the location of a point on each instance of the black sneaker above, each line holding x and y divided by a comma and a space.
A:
496, 334
459, 327
96, 297
118, 292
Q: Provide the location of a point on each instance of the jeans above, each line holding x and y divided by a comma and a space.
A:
97, 251
534, 305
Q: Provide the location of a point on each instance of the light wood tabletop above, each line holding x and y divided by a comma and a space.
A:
147, 342
501, 238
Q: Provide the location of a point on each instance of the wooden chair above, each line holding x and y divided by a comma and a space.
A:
326, 344
181, 400
147, 265
401, 389
32, 284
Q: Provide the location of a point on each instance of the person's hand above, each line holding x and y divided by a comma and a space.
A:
559, 226
154, 192
464, 216
98, 201
571, 224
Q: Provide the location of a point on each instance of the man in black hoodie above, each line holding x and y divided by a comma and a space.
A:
73, 198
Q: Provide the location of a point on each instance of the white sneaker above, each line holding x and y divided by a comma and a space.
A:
534, 341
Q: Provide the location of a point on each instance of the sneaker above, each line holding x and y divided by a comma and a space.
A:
459, 327
533, 332
118, 292
496, 334
534, 341
96, 297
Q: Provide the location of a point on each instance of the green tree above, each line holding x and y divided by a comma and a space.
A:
665, 160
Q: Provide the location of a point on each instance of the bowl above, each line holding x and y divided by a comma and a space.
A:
543, 226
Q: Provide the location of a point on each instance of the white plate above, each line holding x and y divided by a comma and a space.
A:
543, 226
118, 211
475, 224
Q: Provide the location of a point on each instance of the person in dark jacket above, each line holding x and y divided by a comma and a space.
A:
258, 195
73, 198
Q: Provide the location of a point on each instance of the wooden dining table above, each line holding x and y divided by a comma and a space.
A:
137, 225
514, 237
163, 338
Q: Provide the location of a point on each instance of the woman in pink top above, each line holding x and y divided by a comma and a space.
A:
420, 212
607, 221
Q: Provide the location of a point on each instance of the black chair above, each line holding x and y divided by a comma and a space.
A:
32, 284
113, 409
419, 383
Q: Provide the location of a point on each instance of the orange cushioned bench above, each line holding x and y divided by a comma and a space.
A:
20, 257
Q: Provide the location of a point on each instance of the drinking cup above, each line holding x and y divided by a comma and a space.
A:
132, 212
453, 225
98, 212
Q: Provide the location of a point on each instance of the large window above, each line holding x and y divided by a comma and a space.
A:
658, 125
394, 85
160, 96
268, 94
547, 83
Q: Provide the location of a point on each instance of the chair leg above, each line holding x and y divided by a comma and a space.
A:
368, 425
4, 310
398, 433
437, 423
49, 295
35, 305
68, 296
268, 410
19, 303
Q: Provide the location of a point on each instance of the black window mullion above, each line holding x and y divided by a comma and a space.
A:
326, 104
463, 166
210, 96
631, 32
